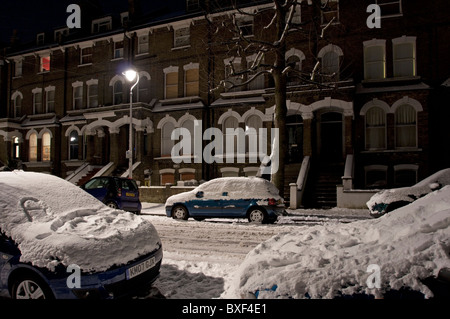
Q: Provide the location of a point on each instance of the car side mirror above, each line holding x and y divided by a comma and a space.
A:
199, 194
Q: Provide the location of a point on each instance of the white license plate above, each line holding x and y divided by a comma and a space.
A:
140, 268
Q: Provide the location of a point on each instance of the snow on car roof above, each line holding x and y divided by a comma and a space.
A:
322, 261
54, 221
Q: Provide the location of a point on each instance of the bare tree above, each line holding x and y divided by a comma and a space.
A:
269, 47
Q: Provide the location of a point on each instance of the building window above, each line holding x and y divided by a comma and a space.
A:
124, 18
61, 34
245, 25
405, 175
252, 126
118, 50
297, 17
93, 95
118, 93
40, 39
101, 25
143, 88
375, 176
375, 129
330, 11
404, 50
181, 37
171, 82
390, 8
37, 101
77, 96
330, 56
73, 145
166, 142
375, 59
33, 148
167, 176
406, 126
258, 82
46, 143
143, 44
44, 65
294, 60
50, 99
233, 66
17, 104
86, 56
230, 124
16, 148
191, 84
18, 67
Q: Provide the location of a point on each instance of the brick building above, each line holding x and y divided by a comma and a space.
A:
65, 102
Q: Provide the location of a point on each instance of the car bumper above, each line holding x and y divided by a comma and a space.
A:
111, 284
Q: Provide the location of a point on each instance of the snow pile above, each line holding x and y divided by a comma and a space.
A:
235, 187
330, 260
54, 221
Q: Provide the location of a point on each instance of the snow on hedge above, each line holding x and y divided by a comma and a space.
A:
325, 261
54, 221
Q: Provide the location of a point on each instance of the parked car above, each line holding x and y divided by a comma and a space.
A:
115, 192
253, 198
388, 200
57, 241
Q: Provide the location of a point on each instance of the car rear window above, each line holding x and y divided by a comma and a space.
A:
96, 183
128, 184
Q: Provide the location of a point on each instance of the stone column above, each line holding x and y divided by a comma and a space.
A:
139, 144
114, 145
348, 134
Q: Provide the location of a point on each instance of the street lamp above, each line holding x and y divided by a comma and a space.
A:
131, 75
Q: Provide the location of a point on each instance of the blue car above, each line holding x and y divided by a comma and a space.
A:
253, 198
58, 242
115, 192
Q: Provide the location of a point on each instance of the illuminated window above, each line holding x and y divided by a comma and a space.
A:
73, 145
375, 59
46, 142
181, 37
143, 44
16, 147
191, 85
171, 82
33, 148
44, 64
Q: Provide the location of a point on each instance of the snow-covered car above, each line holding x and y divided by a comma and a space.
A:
57, 241
388, 200
253, 198
403, 255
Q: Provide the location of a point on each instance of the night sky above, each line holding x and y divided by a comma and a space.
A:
30, 17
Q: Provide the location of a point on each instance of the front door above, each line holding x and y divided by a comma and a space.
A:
330, 137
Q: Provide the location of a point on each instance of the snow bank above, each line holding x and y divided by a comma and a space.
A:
236, 188
409, 244
54, 221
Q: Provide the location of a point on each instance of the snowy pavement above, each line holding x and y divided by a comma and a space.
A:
200, 258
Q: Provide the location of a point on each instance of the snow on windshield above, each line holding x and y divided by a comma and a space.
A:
54, 221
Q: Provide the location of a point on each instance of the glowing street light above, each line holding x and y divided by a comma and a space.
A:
131, 75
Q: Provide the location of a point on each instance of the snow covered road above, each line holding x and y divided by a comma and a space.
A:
200, 257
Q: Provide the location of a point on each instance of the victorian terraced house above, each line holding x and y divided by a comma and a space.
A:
373, 119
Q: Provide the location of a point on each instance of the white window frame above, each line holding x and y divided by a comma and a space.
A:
89, 84
18, 68
243, 22
35, 92
404, 40
367, 45
14, 98
60, 33
107, 21
83, 56
119, 50
75, 86
181, 41
170, 69
41, 64
49, 89
143, 47
191, 66
390, 2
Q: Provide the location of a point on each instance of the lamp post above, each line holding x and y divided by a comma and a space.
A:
131, 75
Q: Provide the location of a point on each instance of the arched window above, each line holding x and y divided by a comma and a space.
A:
252, 126
117, 93
73, 145
46, 147
166, 142
17, 105
405, 126
33, 148
230, 123
330, 63
375, 129
189, 125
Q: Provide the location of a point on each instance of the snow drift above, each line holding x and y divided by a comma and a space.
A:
54, 221
327, 261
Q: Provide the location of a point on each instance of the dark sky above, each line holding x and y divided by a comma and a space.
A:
31, 17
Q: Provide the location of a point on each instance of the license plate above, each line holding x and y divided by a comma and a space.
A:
140, 268
130, 195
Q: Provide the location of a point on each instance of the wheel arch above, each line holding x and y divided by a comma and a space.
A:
23, 269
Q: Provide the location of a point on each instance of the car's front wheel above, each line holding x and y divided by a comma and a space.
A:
111, 204
257, 215
180, 212
30, 287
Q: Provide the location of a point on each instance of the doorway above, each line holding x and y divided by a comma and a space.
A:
330, 137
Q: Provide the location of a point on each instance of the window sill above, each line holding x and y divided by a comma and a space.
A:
397, 150
43, 72
140, 55
17, 77
391, 80
86, 64
116, 59
38, 164
181, 48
